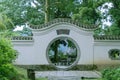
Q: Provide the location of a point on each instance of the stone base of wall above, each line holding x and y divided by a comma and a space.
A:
52, 68
104, 66
77, 67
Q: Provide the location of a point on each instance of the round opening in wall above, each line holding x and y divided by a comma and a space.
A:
63, 52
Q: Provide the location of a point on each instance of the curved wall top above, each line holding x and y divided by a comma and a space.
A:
63, 20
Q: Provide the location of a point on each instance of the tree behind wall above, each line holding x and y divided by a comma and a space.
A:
36, 12
5, 22
6, 26
88, 12
115, 15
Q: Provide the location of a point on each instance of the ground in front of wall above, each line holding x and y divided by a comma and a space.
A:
67, 75
79, 79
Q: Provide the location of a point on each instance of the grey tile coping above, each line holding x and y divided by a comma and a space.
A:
106, 37
64, 20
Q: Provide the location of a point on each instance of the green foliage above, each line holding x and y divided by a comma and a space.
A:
8, 34
62, 9
114, 12
5, 23
22, 11
88, 12
7, 57
111, 74
22, 74
84, 11
6, 26
33, 11
7, 71
7, 53
86, 15
114, 30
25, 32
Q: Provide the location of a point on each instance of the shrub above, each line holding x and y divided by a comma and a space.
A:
7, 56
111, 74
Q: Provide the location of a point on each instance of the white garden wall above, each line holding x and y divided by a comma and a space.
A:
33, 51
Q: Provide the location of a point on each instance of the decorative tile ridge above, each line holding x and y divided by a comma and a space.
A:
107, 37
22, 38
64, 20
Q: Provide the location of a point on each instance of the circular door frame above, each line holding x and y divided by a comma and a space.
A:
78, 53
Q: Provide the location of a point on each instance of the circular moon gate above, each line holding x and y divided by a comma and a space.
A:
63, 53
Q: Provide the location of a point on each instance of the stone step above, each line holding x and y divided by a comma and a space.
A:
87, 74
64, 78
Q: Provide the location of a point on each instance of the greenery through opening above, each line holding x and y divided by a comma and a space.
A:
62, 53
114, 54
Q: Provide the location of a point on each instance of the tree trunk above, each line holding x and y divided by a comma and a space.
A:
46, 11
